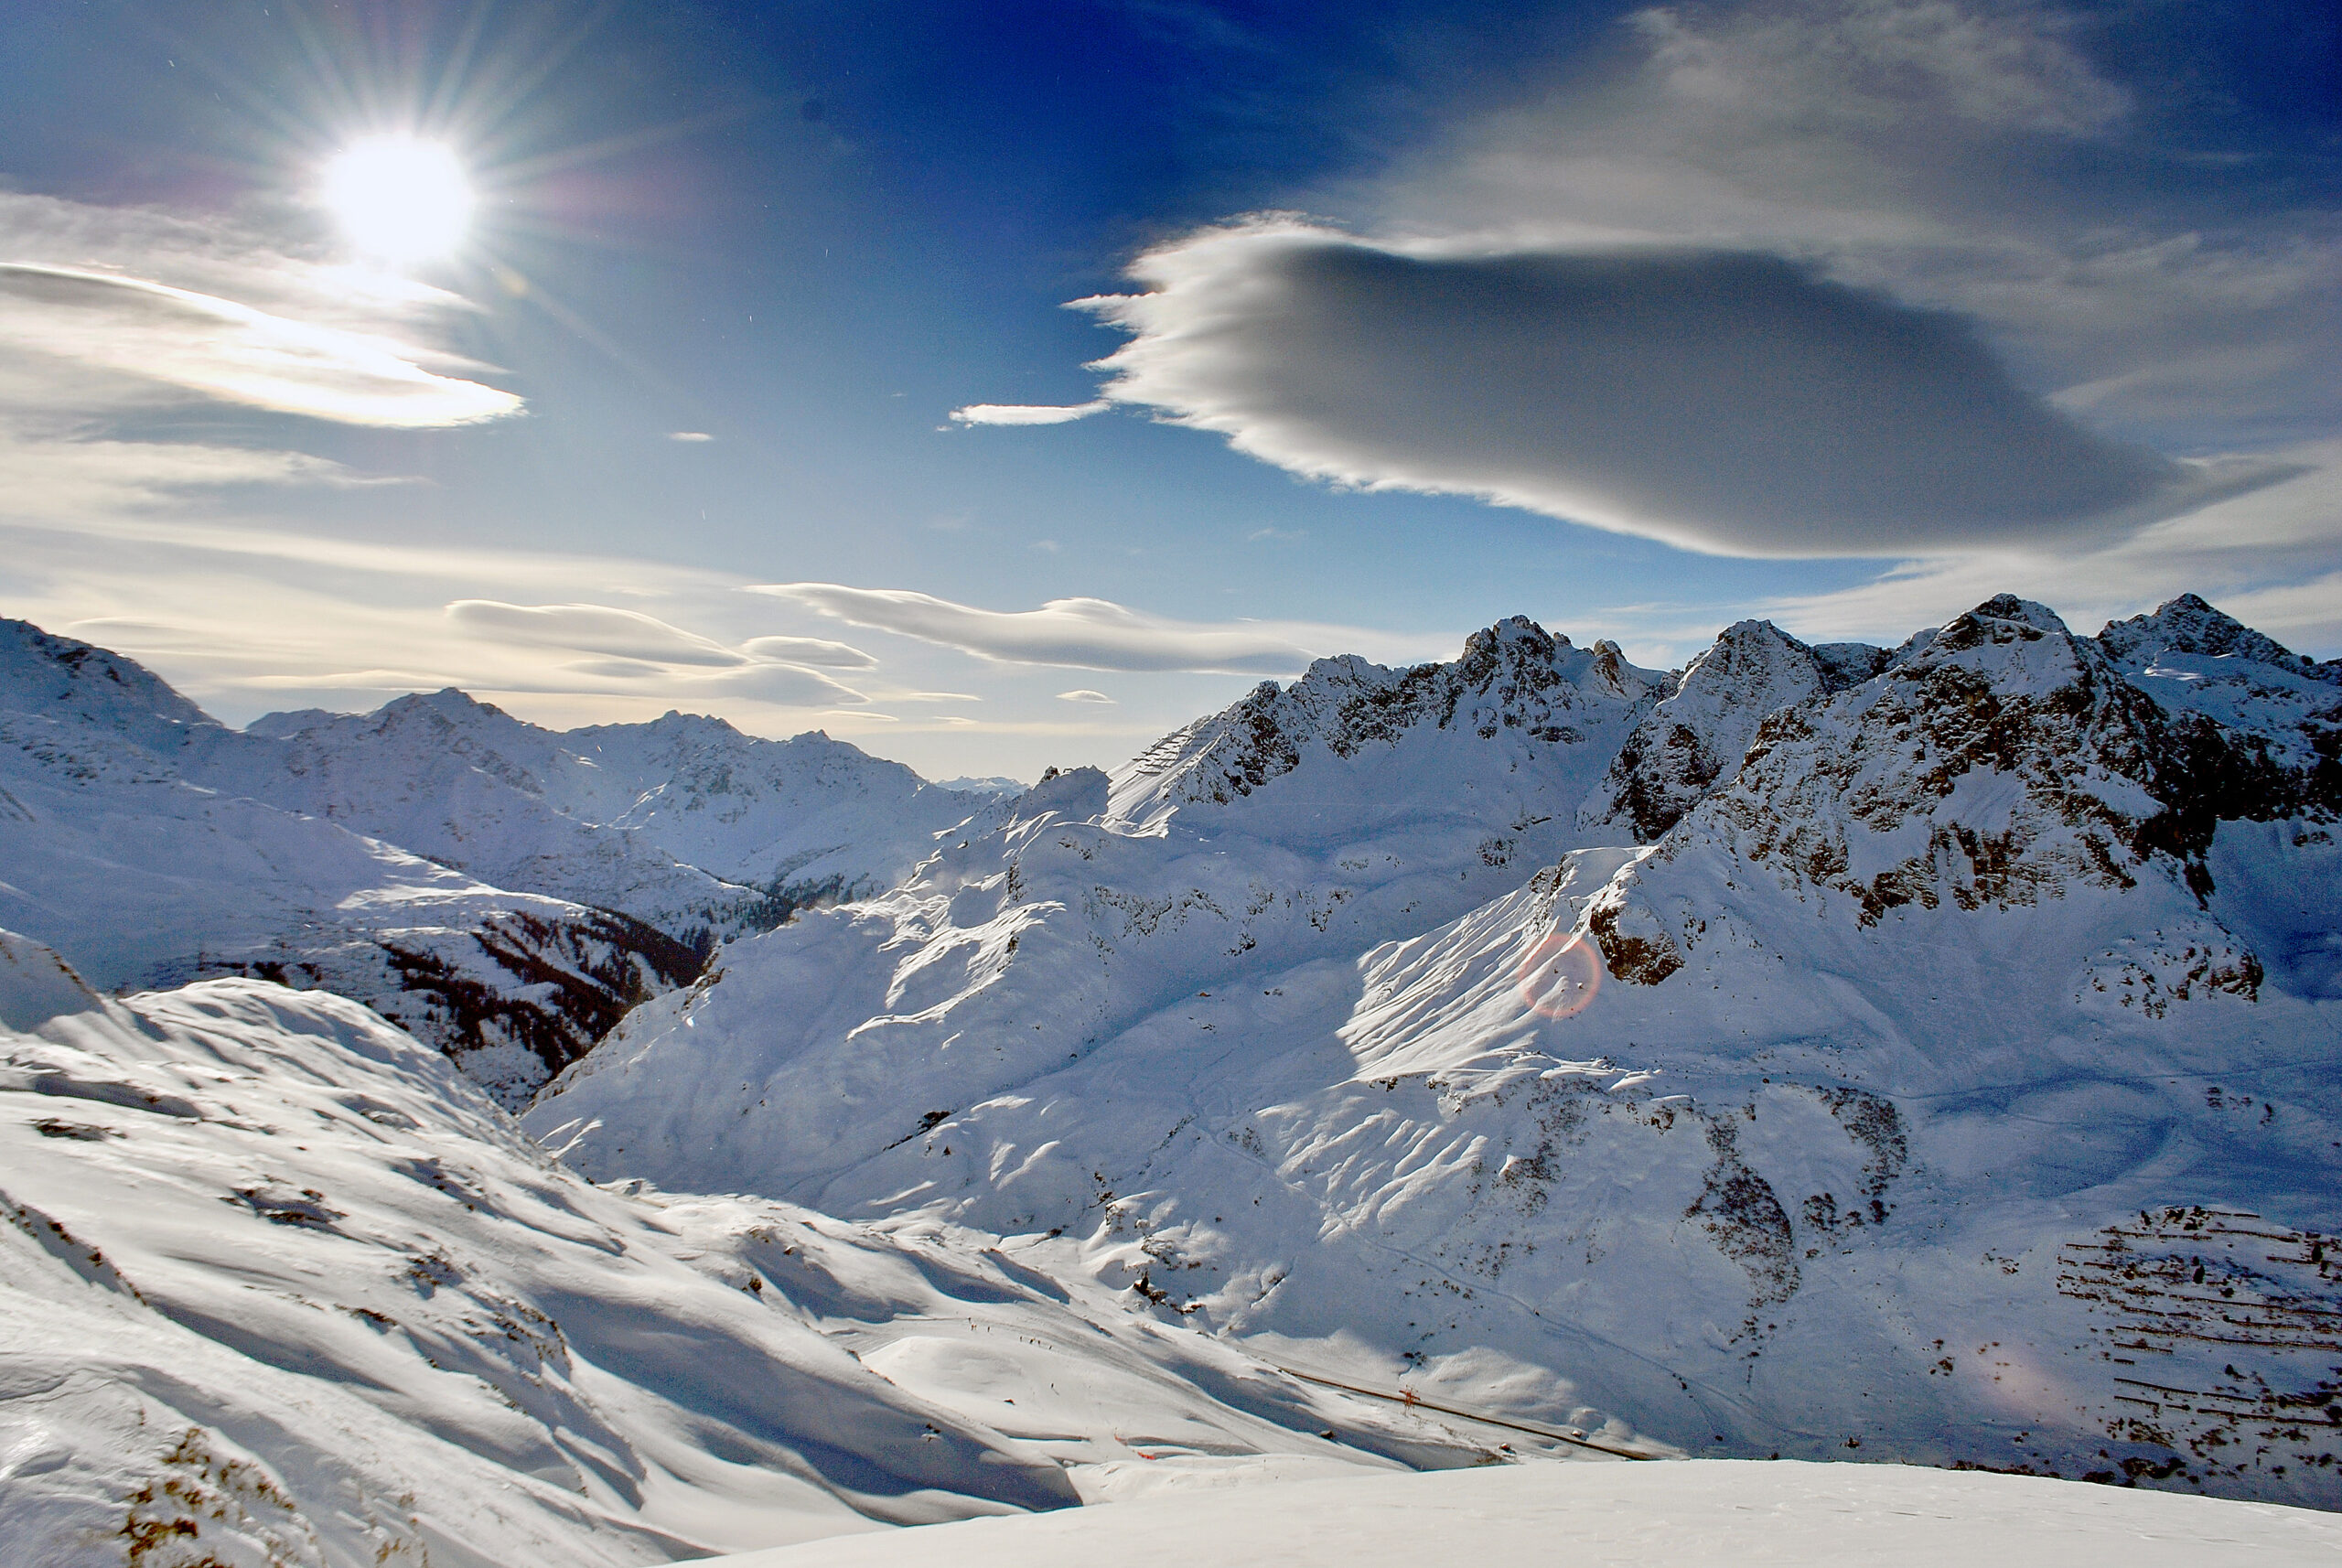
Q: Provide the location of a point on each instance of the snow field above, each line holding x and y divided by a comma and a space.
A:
1704, 1514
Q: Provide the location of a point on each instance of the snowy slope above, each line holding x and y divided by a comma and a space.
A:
506, 891
109, 853
1707, 1514
1923, 1093
278, 1286
1357, 805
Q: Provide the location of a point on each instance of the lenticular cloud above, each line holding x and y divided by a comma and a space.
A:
1727, 402
216, 347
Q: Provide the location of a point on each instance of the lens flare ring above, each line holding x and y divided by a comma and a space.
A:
1560, 977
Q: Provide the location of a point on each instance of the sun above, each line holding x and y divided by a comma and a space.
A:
400, 199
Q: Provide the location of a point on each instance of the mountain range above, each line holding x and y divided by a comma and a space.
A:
1925, 1053
504, 891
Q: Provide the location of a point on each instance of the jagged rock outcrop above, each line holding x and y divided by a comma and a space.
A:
1696, 735
1519, 701
2002, 763
2256, 729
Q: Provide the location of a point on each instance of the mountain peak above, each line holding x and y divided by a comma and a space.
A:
2189, 623
291, 721
1517, 630
1697, 734
2009, 609
42, 672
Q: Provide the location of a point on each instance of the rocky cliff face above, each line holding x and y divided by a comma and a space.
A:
1697, 734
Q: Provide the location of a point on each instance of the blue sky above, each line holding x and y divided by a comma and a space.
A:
1398, 319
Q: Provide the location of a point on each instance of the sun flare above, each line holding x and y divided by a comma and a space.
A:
400, 199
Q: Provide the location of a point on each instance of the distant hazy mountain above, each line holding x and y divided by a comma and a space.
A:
997, 784
1930, 1053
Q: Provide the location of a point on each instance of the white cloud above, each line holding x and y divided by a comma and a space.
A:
809, 651
643, 650
112, 312
76, 480
1969, 157
215, 255
1867, 277
1085, 634
689, 436
593, 628
150, 336
1083, 694
1865, 63
1027, 413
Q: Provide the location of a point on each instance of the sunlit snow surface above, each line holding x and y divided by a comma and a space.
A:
280, 1286
1706, 1514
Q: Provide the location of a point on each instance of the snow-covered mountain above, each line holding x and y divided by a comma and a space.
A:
278, 1286
506, 891
1952, 1078
682, 821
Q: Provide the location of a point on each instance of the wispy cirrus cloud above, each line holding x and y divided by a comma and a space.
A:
591, 629
82, 480
1083, 634
109, 314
